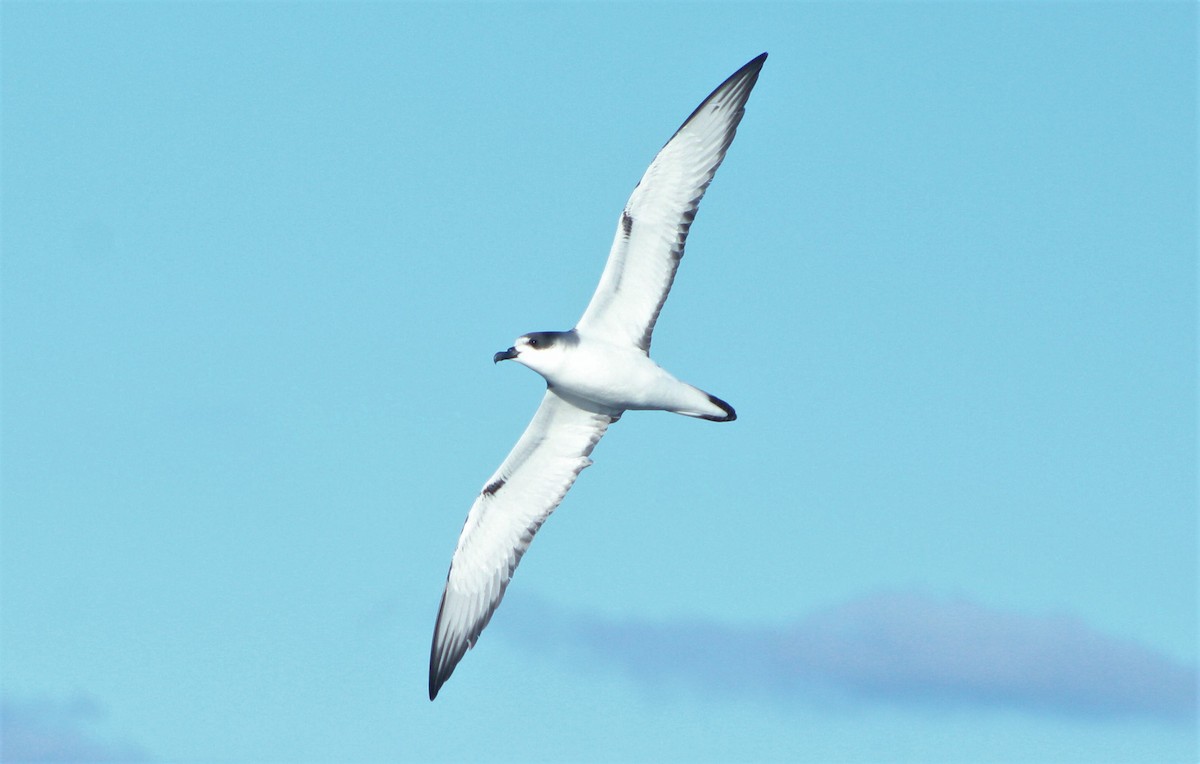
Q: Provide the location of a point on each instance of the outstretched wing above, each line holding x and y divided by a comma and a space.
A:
512, 506
654, 225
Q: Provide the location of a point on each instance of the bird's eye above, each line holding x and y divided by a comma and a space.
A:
533, 343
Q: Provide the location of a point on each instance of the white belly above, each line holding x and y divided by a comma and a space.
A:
625, 378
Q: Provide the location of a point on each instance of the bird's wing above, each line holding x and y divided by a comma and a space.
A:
654, 225
507, 513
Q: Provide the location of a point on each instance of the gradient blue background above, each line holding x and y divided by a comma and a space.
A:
256, 258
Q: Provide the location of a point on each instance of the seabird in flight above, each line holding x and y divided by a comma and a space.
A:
594, 373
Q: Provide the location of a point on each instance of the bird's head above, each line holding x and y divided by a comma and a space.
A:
541, 351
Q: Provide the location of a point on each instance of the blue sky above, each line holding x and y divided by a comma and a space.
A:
256, 260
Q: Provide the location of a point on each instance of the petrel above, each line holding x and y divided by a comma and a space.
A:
594, 373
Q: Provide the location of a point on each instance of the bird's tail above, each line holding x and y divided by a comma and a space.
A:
705, 406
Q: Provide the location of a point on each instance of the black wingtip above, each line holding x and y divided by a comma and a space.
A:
441, 660
436, 680
436, 677
753, 65
744, 80
749, 70
439, 672
730, 414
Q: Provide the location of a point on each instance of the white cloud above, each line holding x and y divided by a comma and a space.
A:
899, 648
45, 730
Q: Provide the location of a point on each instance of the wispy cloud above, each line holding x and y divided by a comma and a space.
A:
56, 731
902, 648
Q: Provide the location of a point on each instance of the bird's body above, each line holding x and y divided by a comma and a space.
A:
594, 373
614, 376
